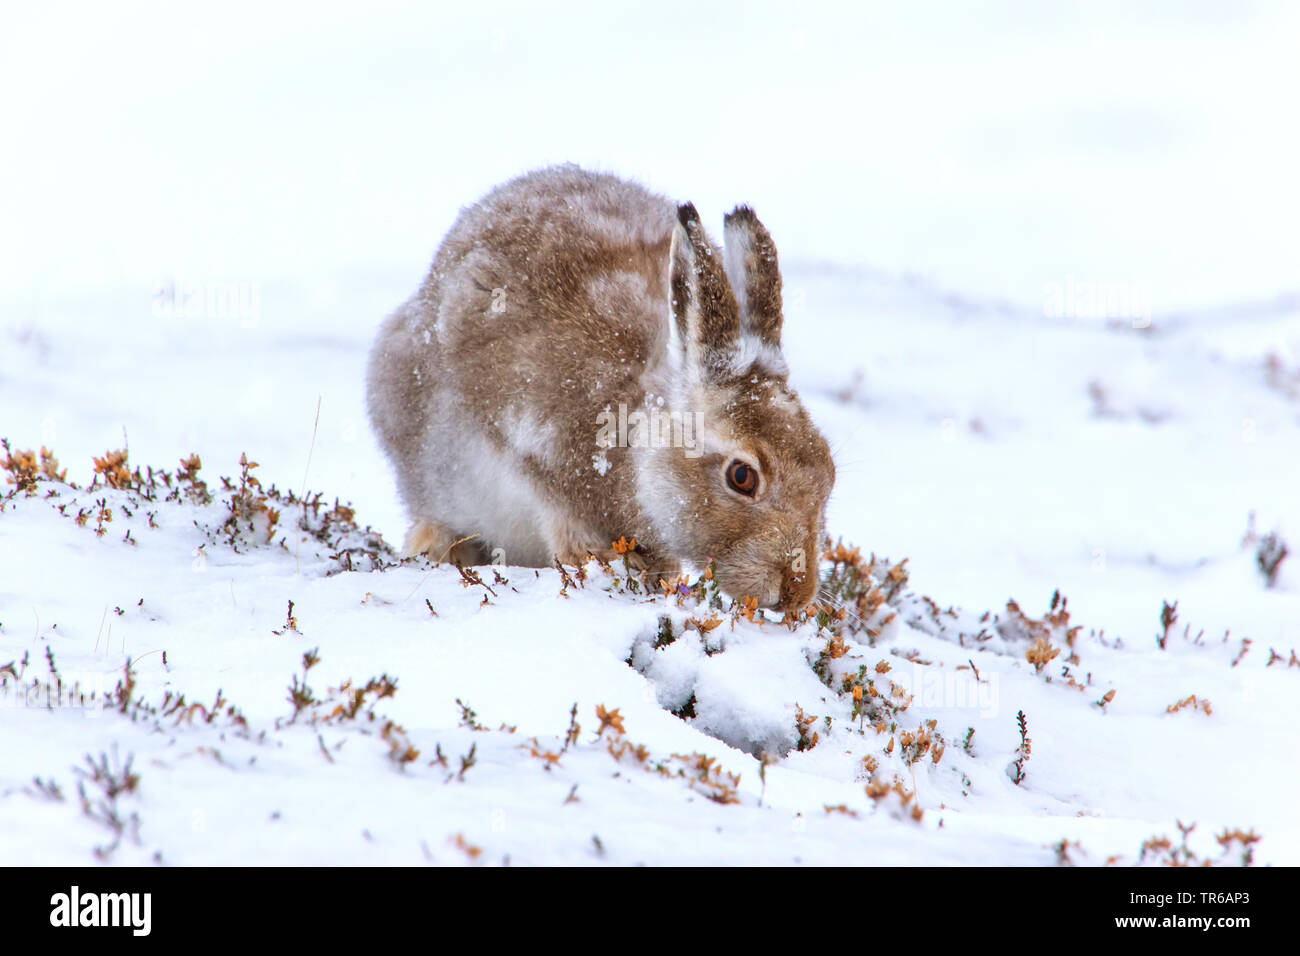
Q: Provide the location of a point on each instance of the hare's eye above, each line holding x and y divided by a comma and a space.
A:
742, 477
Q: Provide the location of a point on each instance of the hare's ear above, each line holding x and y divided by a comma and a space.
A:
707, 319
752, 268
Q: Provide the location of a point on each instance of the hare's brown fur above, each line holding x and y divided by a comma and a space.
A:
560, 298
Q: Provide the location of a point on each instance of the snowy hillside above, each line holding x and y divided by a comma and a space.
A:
1040, 296
402, 712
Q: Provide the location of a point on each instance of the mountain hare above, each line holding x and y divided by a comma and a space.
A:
583, 363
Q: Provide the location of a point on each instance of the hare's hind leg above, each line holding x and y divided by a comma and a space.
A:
439, 544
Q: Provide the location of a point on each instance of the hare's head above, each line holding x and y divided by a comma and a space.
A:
750, 492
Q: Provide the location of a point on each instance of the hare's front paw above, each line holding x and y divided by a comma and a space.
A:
439, 544
656, 567
568, 543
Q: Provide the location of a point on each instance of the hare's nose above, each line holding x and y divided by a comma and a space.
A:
797, 589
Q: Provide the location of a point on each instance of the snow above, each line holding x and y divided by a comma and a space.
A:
1119, 511
1006, 449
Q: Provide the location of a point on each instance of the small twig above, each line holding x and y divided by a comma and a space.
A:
297, 544
447, 550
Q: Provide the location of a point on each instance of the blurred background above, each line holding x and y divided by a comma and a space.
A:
992, 149
1041, 258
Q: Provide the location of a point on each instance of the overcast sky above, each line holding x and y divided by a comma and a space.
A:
995, 149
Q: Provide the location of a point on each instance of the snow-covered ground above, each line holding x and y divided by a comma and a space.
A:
991, 426
1005, 455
